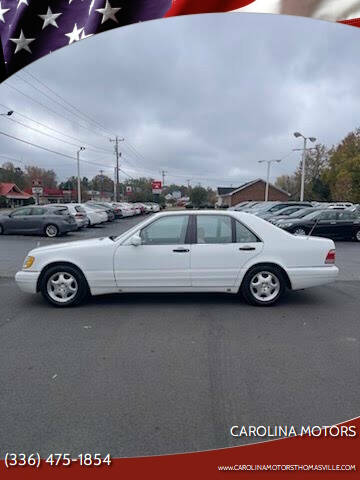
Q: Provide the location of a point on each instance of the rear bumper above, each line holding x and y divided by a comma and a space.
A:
312, 276
27, 281
71, 227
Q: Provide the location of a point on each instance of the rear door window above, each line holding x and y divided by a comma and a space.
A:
214, 229
243, 234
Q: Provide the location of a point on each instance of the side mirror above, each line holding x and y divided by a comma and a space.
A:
136, 240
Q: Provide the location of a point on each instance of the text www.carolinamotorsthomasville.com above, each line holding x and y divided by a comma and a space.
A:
287, 468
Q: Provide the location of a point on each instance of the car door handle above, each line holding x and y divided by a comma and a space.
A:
247, 248
333, 222
181, 250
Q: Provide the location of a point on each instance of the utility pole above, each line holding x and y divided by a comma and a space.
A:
163, 173
102, 184
78, 174
115, 178
118, 155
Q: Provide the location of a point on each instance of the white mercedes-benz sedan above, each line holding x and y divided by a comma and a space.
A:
181, 251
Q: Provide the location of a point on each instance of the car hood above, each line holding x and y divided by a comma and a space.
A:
93, 242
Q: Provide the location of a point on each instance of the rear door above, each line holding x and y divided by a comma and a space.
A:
346, 222
222, 246
37, 219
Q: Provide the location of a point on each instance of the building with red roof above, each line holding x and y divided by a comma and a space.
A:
12, 196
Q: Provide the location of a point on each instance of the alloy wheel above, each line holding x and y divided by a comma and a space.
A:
265, 286
62, 287
299, 231
51, 231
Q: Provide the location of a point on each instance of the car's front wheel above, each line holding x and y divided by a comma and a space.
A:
64, 286
357, 235
263, 285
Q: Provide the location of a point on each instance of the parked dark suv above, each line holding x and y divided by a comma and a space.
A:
328, 223
50, 221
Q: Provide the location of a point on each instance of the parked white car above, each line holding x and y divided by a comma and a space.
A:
94, 215
198, 251
126, 209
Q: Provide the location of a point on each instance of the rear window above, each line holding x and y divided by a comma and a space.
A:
59, 211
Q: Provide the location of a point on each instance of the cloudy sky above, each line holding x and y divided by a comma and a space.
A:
202, 97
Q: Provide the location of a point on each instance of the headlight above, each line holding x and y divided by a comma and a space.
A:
284, 225
28, 262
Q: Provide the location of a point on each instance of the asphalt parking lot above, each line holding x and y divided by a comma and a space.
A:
152, 374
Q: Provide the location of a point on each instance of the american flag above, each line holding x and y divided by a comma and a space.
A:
30, 29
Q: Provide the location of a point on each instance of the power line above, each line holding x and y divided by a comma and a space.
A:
52, 151
81, 142
51, 110
67, 103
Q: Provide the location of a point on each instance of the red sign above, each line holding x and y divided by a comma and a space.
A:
156, 187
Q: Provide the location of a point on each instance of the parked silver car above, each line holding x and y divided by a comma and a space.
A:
77, 211
50, 221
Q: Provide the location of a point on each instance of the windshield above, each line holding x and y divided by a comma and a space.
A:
264, 207
302, 213
312, 215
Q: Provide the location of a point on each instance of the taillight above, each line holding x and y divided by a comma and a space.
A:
330, 257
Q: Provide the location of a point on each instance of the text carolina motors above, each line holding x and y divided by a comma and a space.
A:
291, 430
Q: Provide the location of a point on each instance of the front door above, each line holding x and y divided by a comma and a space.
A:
326, 225
223, 245
20, 221
162, 260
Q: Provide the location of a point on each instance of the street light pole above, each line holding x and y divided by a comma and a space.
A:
303, 162
302, 189
268, 176
78, 174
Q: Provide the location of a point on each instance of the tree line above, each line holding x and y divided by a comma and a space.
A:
332, 174
141, 188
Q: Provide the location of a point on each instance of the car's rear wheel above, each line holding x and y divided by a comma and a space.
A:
356, 236
299, 231
64, 286
263, 285
1, 229
51, 231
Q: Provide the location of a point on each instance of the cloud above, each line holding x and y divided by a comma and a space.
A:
203, 97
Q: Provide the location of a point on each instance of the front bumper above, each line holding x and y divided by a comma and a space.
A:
27, 281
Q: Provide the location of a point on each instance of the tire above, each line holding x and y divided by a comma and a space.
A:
270, 278
299, 231
356, 235
51, 230
1, 230
64, 286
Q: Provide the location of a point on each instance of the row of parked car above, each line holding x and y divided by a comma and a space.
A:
333, 220
57, 219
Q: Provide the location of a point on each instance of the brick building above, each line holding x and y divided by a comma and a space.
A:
250, 191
